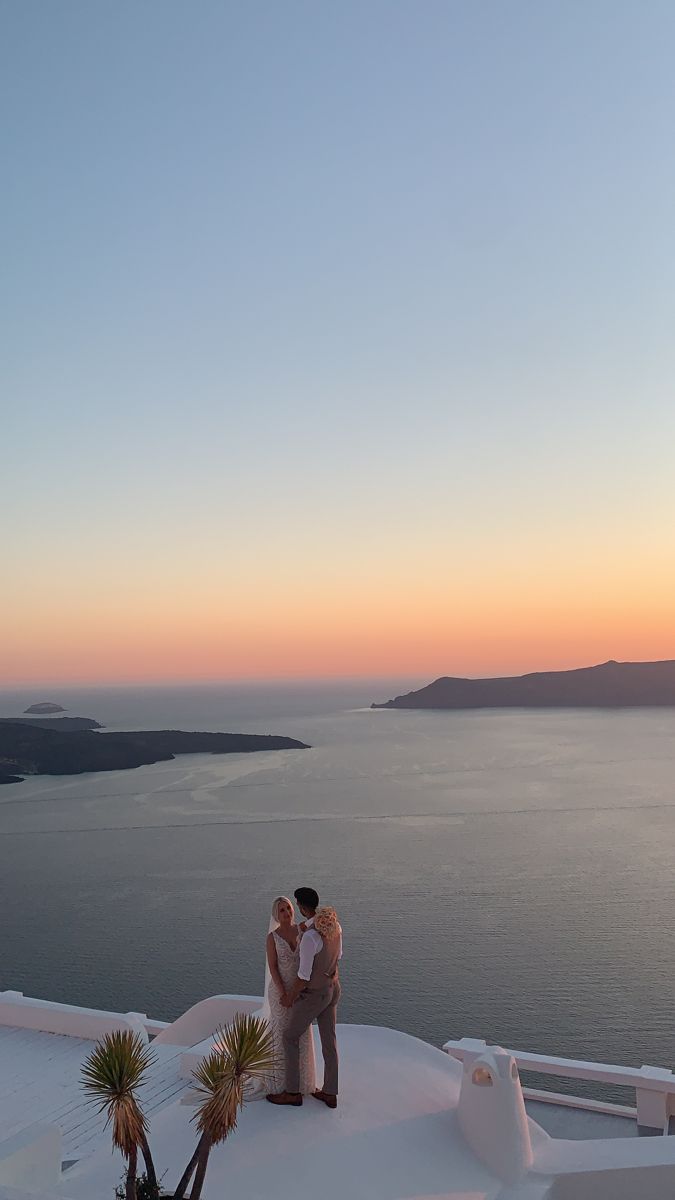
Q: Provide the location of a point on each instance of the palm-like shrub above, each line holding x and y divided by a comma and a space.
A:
111, 1076
242, 1053
115, 1069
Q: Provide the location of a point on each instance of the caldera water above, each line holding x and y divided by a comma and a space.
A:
499, 874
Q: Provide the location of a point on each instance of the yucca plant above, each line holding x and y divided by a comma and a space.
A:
242, 1052
111, 1076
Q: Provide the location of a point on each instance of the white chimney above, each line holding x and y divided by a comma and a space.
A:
491, 1114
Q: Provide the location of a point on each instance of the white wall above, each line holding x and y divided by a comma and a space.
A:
205, 1017
23, 1012
626, 1183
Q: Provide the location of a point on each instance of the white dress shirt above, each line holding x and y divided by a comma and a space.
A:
310, 944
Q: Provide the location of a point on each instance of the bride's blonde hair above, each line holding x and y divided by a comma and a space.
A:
326, 921
275, 906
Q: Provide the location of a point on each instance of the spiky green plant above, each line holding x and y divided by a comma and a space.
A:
242, 1052
111, 1076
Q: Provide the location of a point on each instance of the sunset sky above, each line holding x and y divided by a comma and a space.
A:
337, 339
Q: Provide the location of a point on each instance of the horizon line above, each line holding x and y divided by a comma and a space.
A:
291, 680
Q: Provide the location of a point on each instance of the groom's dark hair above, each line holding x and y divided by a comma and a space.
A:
307, 897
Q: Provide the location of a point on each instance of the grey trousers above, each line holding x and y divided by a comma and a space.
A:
319, 1006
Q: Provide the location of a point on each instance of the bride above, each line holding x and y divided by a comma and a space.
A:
283, 956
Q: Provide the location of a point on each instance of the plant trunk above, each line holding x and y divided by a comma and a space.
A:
187, 1173
130, 1191
150, 1172
204, 1150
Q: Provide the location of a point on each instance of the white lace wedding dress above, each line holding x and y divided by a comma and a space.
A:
288, 961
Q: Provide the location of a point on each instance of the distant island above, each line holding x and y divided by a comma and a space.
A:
40, 749
45, 707
608, 685
62, 723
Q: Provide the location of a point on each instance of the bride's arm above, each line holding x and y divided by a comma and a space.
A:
274, 964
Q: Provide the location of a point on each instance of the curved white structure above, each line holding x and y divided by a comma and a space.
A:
491, 1114
204, 1018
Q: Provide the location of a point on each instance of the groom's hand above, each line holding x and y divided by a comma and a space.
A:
293, 992
286, 1001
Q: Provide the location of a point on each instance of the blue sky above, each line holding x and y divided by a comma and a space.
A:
302, 283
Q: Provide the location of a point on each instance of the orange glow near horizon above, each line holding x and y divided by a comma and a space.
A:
358, 633
379, 609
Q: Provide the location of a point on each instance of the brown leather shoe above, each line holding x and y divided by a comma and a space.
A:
293, 1098
330, 1101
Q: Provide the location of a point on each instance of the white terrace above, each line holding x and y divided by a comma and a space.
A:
413, 1123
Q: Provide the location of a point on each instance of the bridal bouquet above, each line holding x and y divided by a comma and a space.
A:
326, 921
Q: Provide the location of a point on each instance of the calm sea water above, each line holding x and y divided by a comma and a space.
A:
501, 874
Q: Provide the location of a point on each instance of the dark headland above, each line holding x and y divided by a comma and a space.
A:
608, 685
45, 706
38, 748
62, 724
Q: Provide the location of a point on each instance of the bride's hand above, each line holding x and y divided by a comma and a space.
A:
286, 1001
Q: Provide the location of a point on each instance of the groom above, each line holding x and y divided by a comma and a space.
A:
313, 996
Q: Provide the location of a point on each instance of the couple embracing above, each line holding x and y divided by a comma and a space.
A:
302, 986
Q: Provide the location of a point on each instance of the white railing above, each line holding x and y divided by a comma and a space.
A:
654, 1086
48, 1016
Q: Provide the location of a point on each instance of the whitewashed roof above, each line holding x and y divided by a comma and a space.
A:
40, 1083
394, 1134
413, 1123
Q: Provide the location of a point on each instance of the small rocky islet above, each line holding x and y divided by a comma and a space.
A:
43, 707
